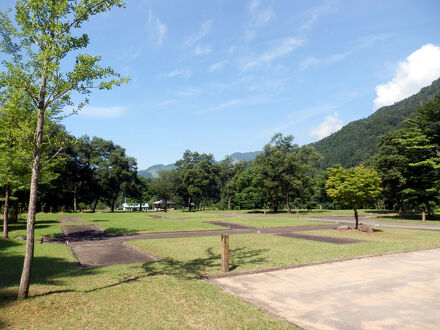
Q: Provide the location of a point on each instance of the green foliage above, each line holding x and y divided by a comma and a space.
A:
357, 141
354, 187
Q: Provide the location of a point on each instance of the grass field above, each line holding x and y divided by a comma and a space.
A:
169, 293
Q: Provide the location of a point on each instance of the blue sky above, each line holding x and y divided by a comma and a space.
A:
222, 76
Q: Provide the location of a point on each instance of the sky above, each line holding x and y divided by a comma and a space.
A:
223, 76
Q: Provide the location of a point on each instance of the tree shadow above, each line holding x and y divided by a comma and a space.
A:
197, 268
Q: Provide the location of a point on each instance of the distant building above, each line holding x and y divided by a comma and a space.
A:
160, 205
135, 207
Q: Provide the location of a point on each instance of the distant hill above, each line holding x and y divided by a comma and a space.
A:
357, 141
153, 171
247, 156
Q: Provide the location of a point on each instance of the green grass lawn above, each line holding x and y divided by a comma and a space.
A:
197, 256
169, 293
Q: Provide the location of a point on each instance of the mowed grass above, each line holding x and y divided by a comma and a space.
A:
66, 296
47, 224
199, 256
169, 293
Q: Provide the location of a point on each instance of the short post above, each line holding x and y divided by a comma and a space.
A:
423, 216
225, 253
297, 214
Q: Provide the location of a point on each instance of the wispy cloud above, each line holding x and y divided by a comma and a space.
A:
360, 44
156, 29
165, 103
202, 50
259, 18
311, 16
189, 91
217, 66
204, 30
103, 112
224, 105
281, 48
186, 73
419, 69
331, 124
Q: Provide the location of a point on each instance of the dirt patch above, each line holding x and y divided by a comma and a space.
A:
71, 219
326, 239
229, 225
109, 253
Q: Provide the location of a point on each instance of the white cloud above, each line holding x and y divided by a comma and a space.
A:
202, 50
190, 91
186, 73
281, 48
418, 70
103, 112
217, 66
157, 29
259, 18
205, 28
330, 125
312, 15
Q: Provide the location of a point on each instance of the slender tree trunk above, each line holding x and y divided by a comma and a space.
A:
94, 205
429, 209
165, 207
189, 203
29, 255
356, 216
289, 209
75, 191
400, 206
6, 211
229, 202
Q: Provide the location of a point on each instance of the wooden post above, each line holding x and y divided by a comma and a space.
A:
297, 214
225, 253
423, 216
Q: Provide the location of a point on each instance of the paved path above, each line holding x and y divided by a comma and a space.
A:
400, 291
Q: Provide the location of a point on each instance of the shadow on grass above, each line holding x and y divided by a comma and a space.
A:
197, 268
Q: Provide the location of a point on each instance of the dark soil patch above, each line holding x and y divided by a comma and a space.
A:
104, 254
326, 239
229, 225
71, 219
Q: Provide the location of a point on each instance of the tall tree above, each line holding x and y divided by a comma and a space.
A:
41, 38
354, 187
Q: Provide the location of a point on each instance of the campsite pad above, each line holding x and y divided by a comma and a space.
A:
82, 232
109, 253
335, 240
229, 225
71, 219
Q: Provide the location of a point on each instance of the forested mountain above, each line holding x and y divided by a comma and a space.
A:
153, 171
248, 156
357, 141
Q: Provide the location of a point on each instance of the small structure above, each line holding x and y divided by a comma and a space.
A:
135, 207
163, 205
